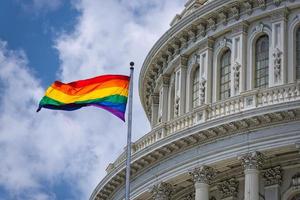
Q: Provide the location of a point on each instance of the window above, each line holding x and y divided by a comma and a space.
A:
298, 53
225, 72
262, 62
196, 88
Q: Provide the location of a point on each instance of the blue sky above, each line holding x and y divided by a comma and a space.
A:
63, 155
34, 30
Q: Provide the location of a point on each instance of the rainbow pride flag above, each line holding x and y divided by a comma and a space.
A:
109, 92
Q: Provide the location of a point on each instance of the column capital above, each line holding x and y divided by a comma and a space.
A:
189, 197
229, 188
162, 191
183, 61
155, 98
203, 174
252, 160
273, 176
163, 80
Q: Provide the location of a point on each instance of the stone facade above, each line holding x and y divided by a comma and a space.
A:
232, 133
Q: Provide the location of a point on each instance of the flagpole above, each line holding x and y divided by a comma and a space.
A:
129, 128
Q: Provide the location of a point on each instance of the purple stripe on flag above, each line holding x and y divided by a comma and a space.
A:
115, 112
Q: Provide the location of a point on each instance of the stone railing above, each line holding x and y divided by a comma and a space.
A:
245, 101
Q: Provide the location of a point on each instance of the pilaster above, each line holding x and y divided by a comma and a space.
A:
163, 99
205, 80
273, 179
180, 87
239, 59
154, 107
278, 51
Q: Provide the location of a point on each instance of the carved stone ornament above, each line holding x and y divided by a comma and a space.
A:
273, 176
223, 17
183, 39
202, 91
260, 27
212, 24
201, 30
192, 35
166, 80
262, 4
229, 188
190, 197
235, 12
176, 106
254, 160
195, 59
159, 67
155, 98
162, 191
170, 56
223, 43
277, 2
277, 63
98, 198
236, 76
203, 174
176, 47
248, 7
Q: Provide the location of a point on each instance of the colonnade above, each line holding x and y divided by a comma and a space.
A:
204, 176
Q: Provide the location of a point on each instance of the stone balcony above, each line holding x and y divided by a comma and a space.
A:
251, 101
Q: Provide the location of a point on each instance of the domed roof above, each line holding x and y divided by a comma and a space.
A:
190, 6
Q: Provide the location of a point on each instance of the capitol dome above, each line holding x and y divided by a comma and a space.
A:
221, 89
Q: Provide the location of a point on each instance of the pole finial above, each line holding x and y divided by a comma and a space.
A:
131, 65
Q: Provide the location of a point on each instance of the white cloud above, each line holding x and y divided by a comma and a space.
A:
76, 146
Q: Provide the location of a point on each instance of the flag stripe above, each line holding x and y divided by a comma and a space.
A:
117, 108
116, 99
99, 79
101, 93
70, 90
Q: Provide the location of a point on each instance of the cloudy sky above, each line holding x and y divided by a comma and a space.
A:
63, 155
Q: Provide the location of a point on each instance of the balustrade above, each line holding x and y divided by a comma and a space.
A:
245, 101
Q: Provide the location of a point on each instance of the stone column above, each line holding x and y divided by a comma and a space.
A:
162, 191
273, 179
202, 177
229, 189
252, 162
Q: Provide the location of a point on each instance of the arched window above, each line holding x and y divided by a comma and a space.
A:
196, 88
225, 71
298, 53
262, 62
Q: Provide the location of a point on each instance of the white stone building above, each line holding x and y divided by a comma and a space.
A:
221, 89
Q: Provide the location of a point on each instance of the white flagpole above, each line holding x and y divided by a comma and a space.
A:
128, 161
